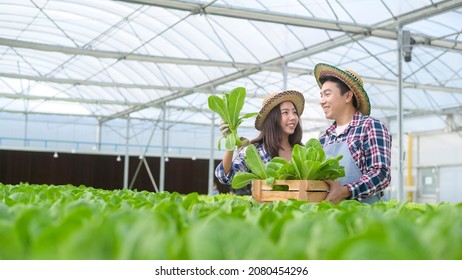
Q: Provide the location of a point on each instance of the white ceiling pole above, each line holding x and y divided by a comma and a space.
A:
204, 88
212, 153
383, 30
284, 76
98, 136
126, 158
162, 153
400, 116
26, 125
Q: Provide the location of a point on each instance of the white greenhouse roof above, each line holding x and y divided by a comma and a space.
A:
112, 59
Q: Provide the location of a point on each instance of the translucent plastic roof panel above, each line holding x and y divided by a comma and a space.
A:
116, 59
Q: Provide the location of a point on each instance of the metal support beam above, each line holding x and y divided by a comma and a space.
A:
151, 177
162, 155
98, 136
400, 117
383, 30
212, 153
127, 157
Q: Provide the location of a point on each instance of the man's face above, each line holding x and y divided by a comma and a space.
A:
332, 102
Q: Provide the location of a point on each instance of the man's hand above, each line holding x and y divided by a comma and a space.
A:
337, 192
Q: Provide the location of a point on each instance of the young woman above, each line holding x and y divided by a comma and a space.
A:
279, 124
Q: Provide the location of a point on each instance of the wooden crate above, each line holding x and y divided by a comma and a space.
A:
309, 190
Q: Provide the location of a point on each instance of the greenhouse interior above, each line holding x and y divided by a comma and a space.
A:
104, 93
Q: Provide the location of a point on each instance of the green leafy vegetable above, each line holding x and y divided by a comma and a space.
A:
45, 222
308, 162
242, 179
229, 107
298, 161
254, 162
315, 151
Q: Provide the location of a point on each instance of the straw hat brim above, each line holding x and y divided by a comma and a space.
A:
350, 79
274, 100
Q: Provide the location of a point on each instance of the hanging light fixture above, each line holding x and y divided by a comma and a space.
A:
55, 155
118, 158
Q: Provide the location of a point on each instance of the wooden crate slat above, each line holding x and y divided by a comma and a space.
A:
309, 190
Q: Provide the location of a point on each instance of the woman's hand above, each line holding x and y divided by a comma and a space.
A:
224, 128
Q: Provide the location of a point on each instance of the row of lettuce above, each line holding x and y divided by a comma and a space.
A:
78, 222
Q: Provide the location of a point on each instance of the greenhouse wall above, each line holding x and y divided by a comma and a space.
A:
436, 167
102, 171
440, 153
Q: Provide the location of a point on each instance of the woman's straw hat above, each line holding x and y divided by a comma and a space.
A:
274, 100
351, 79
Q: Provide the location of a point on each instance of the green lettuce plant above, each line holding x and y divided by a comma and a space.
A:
229, 107
308, 162
46, 222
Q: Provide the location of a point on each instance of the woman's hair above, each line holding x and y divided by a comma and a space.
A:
340, 84
271, 133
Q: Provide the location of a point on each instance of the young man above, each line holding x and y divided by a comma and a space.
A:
364, 142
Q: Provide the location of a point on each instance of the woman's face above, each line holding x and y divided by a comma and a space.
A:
289, 117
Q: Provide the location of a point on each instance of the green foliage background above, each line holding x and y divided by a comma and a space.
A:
70, 222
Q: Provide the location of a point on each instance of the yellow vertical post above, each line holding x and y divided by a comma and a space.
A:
409, 166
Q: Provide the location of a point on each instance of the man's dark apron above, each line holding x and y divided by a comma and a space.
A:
352, 172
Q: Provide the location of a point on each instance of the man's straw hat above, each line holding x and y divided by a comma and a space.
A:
351, 79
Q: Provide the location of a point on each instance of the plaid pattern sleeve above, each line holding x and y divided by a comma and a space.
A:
369, 143
239, 164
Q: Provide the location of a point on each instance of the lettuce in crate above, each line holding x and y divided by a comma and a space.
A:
308, 162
